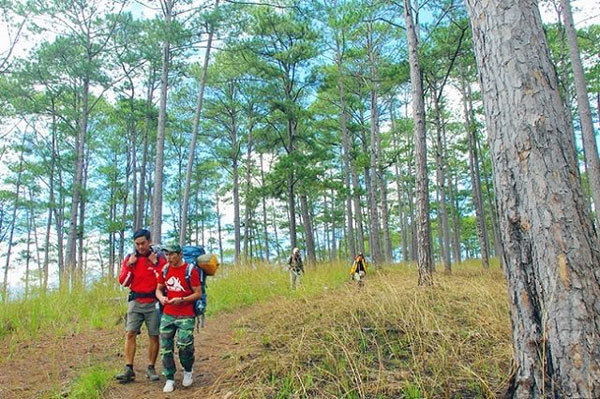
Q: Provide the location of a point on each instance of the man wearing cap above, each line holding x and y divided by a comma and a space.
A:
138, 272
296, 267
178, 315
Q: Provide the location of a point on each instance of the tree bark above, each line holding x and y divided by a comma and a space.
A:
475, 178
141, 209
585, 114
157, 199
13, 222
551, 253
264, 209
345, 147
441, 183
192, 149
311, 256
424, 257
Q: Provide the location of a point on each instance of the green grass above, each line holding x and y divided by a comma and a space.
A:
100, 306
236, 287
326, 339
391, 339
92, 383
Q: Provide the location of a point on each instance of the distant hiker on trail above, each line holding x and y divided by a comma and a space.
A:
138, 272
178, 316
296, 268
359, 269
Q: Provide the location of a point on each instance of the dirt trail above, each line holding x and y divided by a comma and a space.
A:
48, 364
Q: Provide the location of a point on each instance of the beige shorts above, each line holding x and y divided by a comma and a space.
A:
138, 313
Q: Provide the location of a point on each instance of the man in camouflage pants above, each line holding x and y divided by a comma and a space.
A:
178, 316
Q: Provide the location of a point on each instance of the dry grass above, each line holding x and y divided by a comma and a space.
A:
391, 339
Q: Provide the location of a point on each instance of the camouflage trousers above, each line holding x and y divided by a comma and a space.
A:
184, 327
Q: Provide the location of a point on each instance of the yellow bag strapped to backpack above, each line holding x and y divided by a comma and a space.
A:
209, 263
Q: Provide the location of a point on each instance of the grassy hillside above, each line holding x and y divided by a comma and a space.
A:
390, 340
328, 339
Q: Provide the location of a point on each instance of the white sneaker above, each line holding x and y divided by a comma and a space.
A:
169, 386
187, 378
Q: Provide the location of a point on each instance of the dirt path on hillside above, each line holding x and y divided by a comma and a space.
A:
47, 365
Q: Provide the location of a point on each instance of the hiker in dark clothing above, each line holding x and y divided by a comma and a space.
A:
296, 268
139, 272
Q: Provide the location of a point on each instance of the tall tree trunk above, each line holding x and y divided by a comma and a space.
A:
441, 183
71, 261
290, 187
551, 252
374, 227
236, 196
455, 221
264, 209
81, 225
219, 229
424, 257
157, 199
475, 177
346, 147
13, 222
311, 256
247, 204
192, 148
590, 147
333, 229
28, 250
357, 213
51, 206
140, 213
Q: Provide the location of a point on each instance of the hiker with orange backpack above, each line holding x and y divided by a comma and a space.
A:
358, 270
138, 272
178, 315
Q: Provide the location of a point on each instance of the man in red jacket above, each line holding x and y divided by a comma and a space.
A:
139, 272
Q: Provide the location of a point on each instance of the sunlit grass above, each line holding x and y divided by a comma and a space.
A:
390, 339
99, 306
327, 338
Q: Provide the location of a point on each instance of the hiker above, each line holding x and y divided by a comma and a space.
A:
138, 272
296, 268
178, 315
359, 269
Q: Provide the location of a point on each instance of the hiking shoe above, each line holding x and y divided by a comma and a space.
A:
127, 376
169, 386
151, 374
187, 378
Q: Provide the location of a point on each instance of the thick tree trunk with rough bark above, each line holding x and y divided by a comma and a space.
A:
551, 253
424, 256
